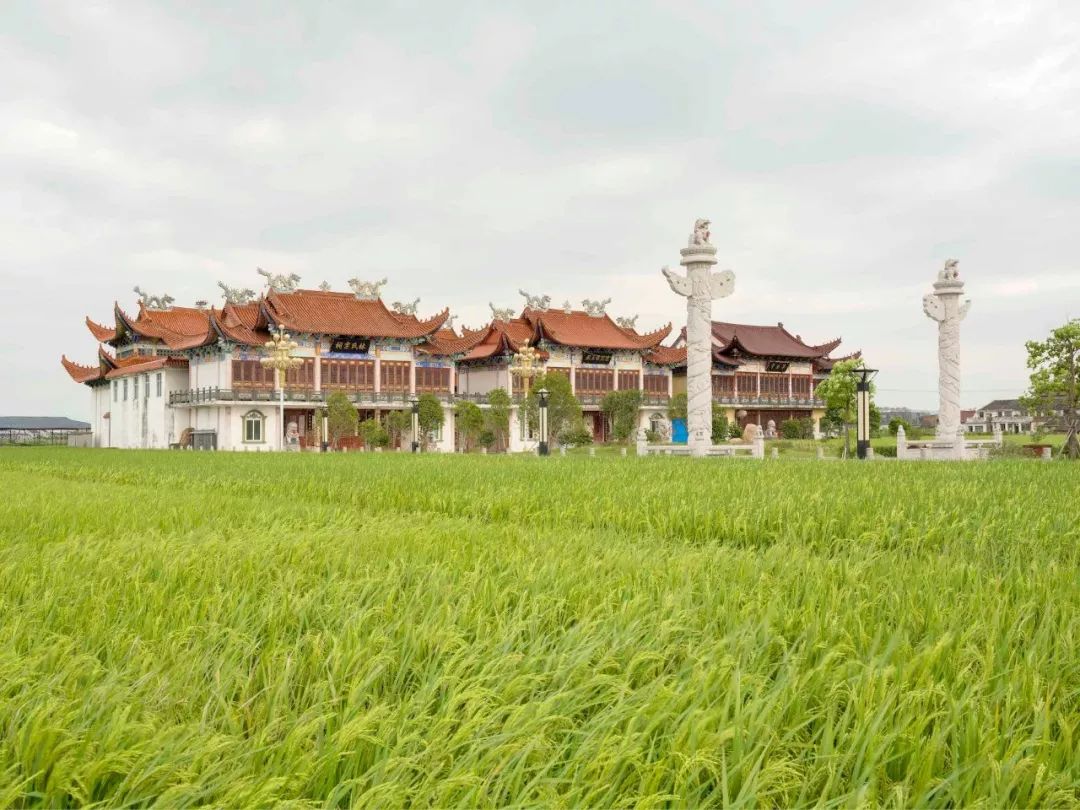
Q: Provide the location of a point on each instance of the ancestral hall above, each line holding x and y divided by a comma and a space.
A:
164, 371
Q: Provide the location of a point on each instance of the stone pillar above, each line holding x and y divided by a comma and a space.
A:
758, 444
901, 443
642, 444
700, 286
943, 305
318, 364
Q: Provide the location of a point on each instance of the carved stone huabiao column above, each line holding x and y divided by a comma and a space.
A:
699, 286
943, 305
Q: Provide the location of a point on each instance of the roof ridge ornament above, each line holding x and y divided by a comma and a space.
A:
503, 315
627, 323
236, 295
279, 282
536, 302
325, 286
367, 290
567, 307
595, 309
402, 308
154, 301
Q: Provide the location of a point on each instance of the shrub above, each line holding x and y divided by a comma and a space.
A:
622, 408
576, 435
797, 429
341, 416
719, 425
373, 433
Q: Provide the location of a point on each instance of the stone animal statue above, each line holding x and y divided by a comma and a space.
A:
949, 271
325, 286
500, 314
701, 234
279, 283
627, 323
236, 295
154, 301
367, 290
536, 302
567, 307
595, 309
402, 308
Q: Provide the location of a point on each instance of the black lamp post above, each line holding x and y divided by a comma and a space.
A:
862, 410
415, 424
542, 397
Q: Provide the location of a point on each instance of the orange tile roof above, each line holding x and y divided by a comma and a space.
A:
580, 329
500, 338
766, 341
82, 374
103, 334
241, 323
145, 364
447, 342
666, 356
177, 328
335, 313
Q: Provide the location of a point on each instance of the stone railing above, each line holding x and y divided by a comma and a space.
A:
201, 396
768, 400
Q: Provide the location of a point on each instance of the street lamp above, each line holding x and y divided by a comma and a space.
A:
542, 397
862, 410
280, 348
525, 366
415, 424
325, 429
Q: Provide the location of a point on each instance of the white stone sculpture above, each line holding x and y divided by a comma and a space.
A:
278, 282
943, 305
503, 315
567, 307
595, 309
770, 429
700, 286
292, 437
367, 290
325, 286
154, 301
402, 308
537, 302
236, 295
627, 323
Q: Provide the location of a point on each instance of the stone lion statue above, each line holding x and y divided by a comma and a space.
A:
949, 271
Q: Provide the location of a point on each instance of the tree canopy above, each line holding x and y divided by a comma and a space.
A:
341, 416
564, 411
1054, 388
839, 392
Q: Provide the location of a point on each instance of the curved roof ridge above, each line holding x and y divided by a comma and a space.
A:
103, 334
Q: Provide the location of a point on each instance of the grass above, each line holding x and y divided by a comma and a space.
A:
377, 629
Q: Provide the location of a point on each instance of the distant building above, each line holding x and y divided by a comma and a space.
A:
910, 415
1009, 416
43, 430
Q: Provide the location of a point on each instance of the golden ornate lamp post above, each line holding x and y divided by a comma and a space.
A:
525, 366
280, 348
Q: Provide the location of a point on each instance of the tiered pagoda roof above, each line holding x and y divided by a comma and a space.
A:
734, 343
573, 329
337, 313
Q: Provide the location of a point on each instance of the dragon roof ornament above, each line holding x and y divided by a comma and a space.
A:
403, 308
278, 282
595, 309
154, 301
236, 295
536, 302
367, 290
503, 315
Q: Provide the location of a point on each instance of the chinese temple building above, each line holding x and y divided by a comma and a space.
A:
171, 374
764, 373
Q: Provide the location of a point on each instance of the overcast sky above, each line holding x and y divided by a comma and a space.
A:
843, 150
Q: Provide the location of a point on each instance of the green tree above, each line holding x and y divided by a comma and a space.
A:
838, 390
497, 418
1055, 382
398, 424
720, 430
896, 423
469, 419
564, 411
676, 408
622, 408
341, 416
431, 417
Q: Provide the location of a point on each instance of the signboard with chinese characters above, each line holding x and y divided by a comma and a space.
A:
343, 344
596, 357
776, 365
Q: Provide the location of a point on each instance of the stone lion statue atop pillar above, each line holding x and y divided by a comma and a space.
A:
701, 233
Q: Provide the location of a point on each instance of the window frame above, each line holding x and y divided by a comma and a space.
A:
254, 417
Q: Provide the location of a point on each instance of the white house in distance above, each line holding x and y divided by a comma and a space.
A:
173, 371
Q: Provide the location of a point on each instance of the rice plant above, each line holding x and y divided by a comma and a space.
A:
383, 630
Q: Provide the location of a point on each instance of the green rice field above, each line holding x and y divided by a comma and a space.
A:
230, 630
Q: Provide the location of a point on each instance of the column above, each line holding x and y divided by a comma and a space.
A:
412, 376
378, 370
318, 364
